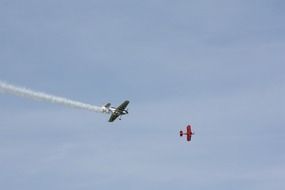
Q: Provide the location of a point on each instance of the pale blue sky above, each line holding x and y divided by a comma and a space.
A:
218, 65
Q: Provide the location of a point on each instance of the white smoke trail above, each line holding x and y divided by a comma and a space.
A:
20, 91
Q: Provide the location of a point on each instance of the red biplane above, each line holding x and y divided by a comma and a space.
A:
188, 133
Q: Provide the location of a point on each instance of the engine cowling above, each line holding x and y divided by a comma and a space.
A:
181, 133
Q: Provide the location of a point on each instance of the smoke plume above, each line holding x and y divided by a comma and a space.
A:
24, 92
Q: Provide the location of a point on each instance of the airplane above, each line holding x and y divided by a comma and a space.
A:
188, 133
116, 112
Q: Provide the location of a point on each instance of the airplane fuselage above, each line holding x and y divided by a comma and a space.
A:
114, 110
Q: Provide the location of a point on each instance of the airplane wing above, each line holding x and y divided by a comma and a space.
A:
123, 106
189, 133
189, 130
113, 117
188, 137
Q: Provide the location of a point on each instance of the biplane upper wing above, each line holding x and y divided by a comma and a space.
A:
189, 133
189, 130
188, 137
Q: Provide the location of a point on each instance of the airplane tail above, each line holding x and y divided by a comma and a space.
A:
107, 105
106, 108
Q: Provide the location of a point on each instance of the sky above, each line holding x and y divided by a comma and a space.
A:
217, 65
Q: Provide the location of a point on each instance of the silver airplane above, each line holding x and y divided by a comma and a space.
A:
116, 112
